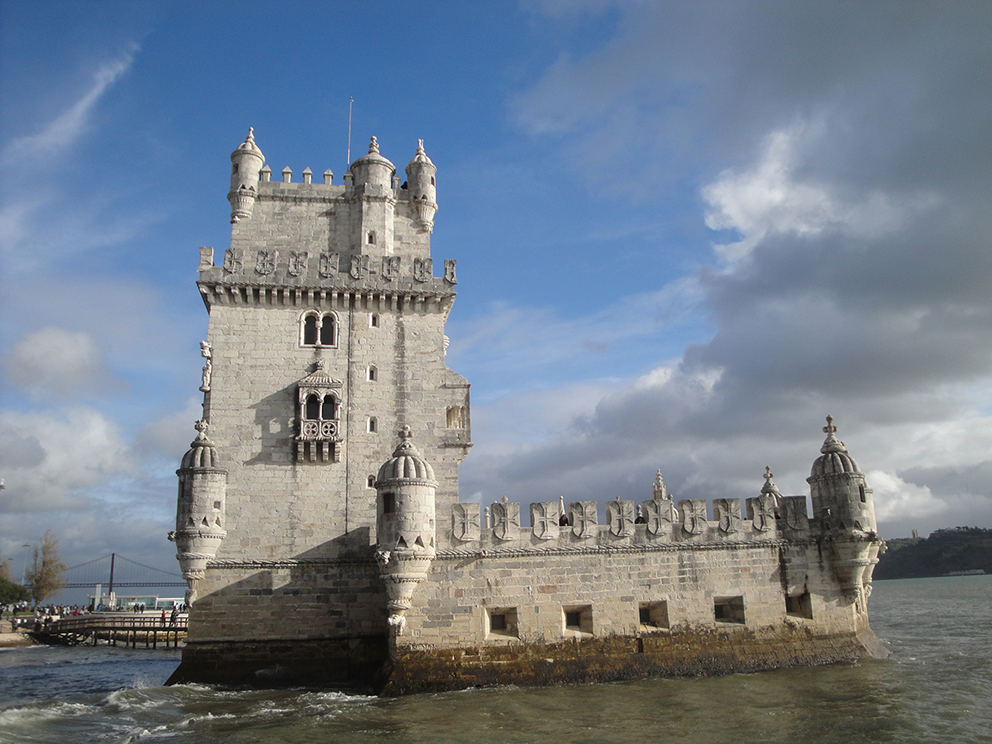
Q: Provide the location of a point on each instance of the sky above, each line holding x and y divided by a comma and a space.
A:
685, 233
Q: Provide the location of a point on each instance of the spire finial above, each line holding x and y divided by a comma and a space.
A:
420, 147
405, 434
768, 473
769, 486
829, 428
373, 145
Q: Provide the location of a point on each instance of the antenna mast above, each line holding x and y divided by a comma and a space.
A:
351, 101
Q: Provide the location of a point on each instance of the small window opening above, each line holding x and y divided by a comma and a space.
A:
432, 181
653, 615
234, 169
373, 424
371, 238
578, 618
389, 503
729, 609
861, 492
370, 482
374, 320
217, 505
799, 605
503, 622
373, 373
310, 330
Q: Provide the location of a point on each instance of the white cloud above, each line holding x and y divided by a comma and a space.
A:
67, 453
770, 199
53, 362
896, 499
63, 131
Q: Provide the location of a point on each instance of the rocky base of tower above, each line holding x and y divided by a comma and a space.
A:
349, 662
682, 652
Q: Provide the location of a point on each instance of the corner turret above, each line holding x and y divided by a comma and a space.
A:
246, 162
200, 514
420, 173
405, 526
841, 497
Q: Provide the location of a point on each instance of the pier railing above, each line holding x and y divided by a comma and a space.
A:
131, 629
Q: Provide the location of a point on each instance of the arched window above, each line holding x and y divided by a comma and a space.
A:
310, 330
328, 337
313, 408
329, 408
318, 329
373, 320
373, 425
373, 373
371, 481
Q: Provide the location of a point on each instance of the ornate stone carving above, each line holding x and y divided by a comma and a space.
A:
761, 512
727, 513
359, 268
465, 522
795, 513
328, 263
658, 490
206, 351
659, 514
390, 268
584, 518
265, 262
506, 519
298, 262
693, 513
423, 269
234, 260
544, 518
620, 517
449, 271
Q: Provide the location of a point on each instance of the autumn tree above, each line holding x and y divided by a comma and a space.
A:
47, 573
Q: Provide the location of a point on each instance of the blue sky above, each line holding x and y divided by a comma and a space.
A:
686, 232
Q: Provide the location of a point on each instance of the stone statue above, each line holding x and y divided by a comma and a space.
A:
206, 351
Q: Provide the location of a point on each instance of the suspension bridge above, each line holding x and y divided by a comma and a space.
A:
119, 572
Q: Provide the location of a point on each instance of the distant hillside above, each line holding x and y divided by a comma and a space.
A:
942, 553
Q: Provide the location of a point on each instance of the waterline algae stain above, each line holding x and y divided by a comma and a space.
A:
935, 687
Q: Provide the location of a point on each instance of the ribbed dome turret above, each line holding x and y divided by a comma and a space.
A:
420, 158
202, 452
835, 458
769, 488
406, 464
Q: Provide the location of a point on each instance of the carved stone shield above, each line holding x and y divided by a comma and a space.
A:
465, 522
359, 267
620, 518
795, 513
328, 264
728, 515
544, 518
506, 520
423, 269
233, 260
298, 262
693, 513
390, 268
584, 518
761, 512
449, 271
658, 515
265, 262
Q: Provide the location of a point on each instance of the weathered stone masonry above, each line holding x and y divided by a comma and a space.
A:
313, 556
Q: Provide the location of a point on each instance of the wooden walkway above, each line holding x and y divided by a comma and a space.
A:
133, 630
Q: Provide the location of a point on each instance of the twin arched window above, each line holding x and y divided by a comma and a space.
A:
316, 408
317, 329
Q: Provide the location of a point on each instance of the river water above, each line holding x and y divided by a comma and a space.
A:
936, 687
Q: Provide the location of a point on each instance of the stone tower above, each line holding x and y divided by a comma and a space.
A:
326, 337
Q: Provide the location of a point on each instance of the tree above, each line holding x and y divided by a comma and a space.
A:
11, 593
47, 573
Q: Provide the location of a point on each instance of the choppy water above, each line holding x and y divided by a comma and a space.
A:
936, 687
